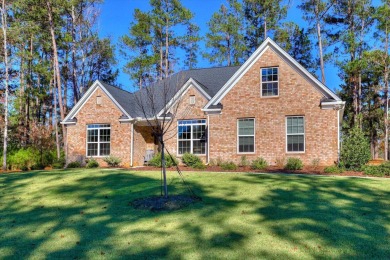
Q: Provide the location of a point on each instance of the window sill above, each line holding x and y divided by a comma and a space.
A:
249, 153
296, 152
270, 96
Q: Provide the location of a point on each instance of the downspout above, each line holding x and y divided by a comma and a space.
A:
208, 139
338, 135
132, 145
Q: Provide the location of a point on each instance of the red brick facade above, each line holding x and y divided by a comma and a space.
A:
297, 97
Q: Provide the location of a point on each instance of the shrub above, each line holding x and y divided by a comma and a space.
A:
113, 161
190, 159
355, 150
280, 162
23, 159
75, 164
228, 166
169, 160
38, 166
199, 165
333, 169
379, 170
294, 164
315, 163
244, 161
92, 163
213, 162
58, 163
259, 164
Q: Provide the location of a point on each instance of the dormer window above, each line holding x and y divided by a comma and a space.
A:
269, 82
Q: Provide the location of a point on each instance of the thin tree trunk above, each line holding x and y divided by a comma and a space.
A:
386, 79
321, 52
57, 68
74, 76
265, 28
58, 145
166, 49
163, 164
5, 48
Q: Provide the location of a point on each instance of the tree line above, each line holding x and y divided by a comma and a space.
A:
51, 53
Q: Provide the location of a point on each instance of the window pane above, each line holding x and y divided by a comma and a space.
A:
105, 135
199, 147
246, 144
269, 78
104, 149
246, 127
295, 143
295, 125
184, 132
198, 131
92, 136
92, 149
184, 147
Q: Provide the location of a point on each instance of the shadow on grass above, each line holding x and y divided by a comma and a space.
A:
86, 214
323, 215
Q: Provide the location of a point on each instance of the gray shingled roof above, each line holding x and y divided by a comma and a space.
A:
211, 80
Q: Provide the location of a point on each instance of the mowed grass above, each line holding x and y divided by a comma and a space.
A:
83, 214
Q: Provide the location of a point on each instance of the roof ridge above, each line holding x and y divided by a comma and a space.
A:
117, 87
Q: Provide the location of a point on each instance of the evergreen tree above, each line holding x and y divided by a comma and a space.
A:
262, 20
314, 12
296, 42
225, 39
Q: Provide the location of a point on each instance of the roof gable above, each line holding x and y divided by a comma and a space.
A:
268, 43
79, 105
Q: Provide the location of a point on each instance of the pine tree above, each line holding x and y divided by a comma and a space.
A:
225, 38
296, 42
263, 18
314, 13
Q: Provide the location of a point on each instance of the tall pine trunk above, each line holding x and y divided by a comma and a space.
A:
5, 48
56, 67
74, 73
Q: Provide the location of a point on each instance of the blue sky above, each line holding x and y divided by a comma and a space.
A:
116, 16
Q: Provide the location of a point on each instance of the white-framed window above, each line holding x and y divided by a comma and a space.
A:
98, 139
295, 133
269, 82
246, 135
191, 136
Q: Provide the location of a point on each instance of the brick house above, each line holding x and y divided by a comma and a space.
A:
270, 107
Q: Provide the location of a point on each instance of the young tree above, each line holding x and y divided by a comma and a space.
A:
226, 37
160, 106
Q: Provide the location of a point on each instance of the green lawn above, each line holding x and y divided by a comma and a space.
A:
85, 214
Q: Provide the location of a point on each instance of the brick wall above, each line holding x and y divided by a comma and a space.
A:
296, 97
91, 113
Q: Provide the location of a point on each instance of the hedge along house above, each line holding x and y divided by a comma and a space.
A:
270, 107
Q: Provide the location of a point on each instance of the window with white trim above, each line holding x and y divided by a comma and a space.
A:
246, 135
269, 82
295, 133
191, 136
98, 139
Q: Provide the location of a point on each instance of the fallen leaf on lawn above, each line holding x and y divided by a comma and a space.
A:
102, 253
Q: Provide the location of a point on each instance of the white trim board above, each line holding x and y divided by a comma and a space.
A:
182, 91
268, 43
76, 109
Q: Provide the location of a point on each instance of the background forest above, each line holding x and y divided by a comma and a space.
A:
51, 53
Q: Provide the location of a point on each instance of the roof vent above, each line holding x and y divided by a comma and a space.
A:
192, 100
99, 100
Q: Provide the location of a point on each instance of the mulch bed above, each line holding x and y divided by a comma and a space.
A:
271, 169
160, 203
